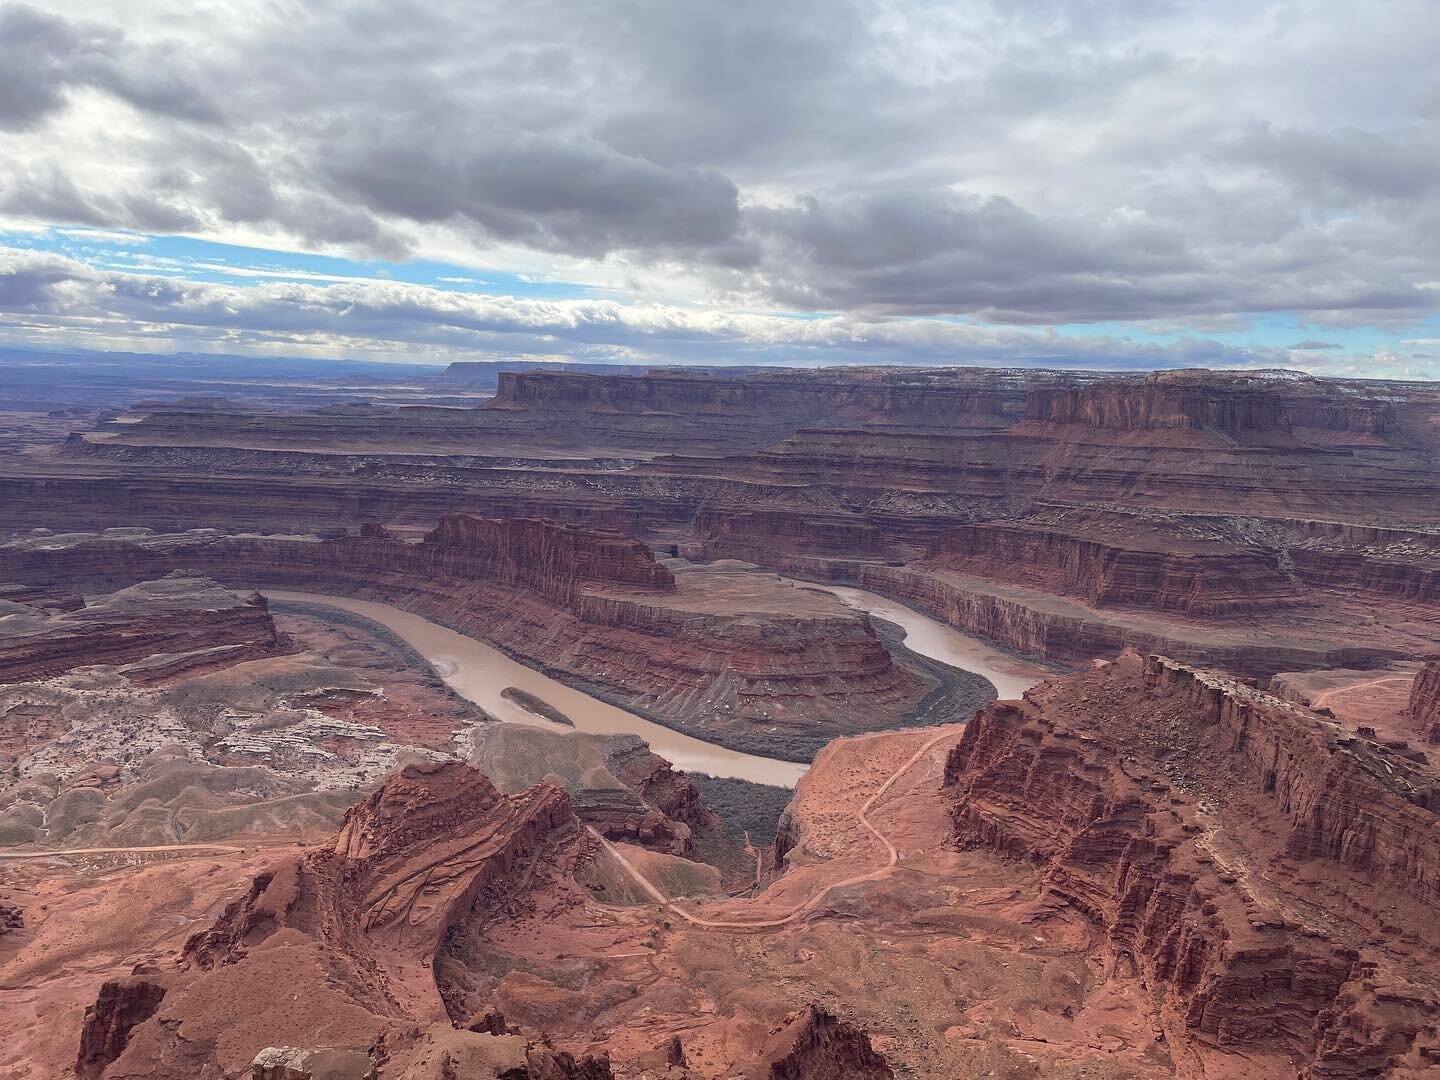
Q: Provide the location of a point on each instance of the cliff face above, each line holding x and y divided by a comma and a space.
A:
812, 1044
176, 615
120, 1006
594, 606
550, 557
353, 929
1240, 407
1425, 702
1191, 579
1110, 781
782, 401
1031, 622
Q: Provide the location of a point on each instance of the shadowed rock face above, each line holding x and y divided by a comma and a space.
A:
1110, 782
814, 1045
350, 929
108, 1023
1425, 702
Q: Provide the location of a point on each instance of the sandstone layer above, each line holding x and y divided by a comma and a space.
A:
1191, 498
731, 656
1425, 702
190, 618
1267, 875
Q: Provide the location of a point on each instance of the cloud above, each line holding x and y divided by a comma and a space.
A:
570, 195
390, 317
1033, 164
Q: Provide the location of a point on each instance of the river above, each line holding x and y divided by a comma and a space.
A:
480, 672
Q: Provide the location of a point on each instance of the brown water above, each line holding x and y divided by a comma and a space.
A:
930, 637
480, 672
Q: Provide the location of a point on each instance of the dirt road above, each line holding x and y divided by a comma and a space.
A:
893, 857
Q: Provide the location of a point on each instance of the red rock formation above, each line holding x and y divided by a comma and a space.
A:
595, 606
1425, 702
1109, 781
179, 614
108, 1023
1246, 408
354, 928
777, 401
1132, 569
814, 1045
550, 557
1034, 622
408, 862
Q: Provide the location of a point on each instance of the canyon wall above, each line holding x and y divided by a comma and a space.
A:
1032, 624
1188, 578
1245, 408
1425, 702
592, 607
1108, 782
179, 614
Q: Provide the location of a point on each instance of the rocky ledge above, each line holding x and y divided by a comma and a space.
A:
1267, 879
182, 614
1425, 701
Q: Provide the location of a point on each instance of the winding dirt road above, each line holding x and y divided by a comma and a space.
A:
12, 853
819, 897
1320, 699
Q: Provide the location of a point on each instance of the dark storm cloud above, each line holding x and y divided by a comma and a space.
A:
574, 196
44, 56
1045, 162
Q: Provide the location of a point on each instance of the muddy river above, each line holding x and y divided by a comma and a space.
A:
481, 672
1011, 675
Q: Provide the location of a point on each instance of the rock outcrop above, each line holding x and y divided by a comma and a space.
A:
180, 614
1425, 702
1111, 782
120, 1006
353, 929
1128, 569
812, 1044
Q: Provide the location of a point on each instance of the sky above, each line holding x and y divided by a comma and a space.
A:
1111, 184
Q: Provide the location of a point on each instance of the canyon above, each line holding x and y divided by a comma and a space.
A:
1057, 724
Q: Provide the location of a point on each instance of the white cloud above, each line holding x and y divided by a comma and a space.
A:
1026, 164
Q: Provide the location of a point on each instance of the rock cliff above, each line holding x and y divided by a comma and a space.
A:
812, 1044
121, 1005
353, 930
1215, 834
172, 616
1425, 702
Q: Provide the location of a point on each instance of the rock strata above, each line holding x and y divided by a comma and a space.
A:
177, 615
1425, 702
1117, 804
353, 928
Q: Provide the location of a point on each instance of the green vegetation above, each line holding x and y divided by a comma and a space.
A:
743, 806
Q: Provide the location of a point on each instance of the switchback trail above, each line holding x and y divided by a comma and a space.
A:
893, 857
